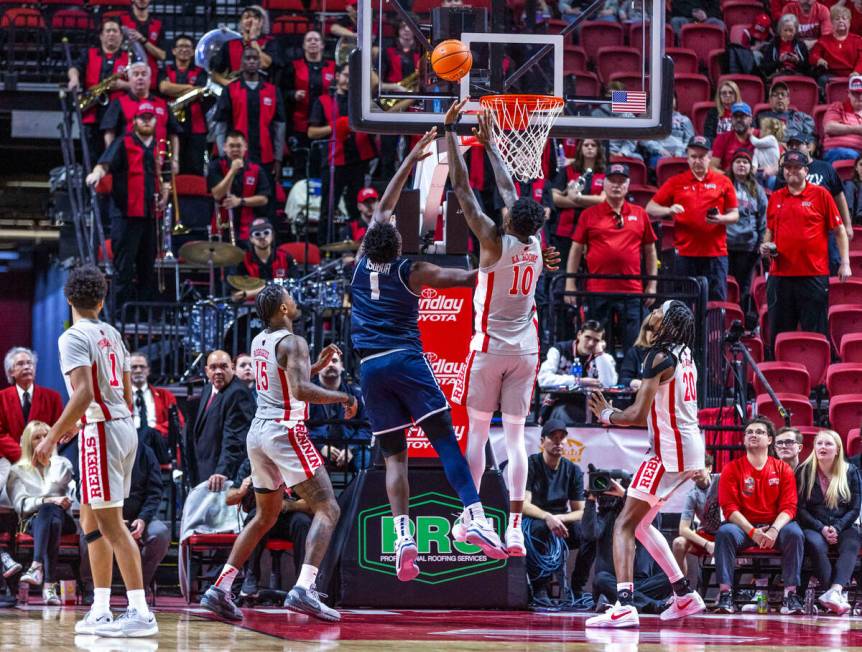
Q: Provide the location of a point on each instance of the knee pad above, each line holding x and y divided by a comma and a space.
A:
438, 426
90, 537
392, 443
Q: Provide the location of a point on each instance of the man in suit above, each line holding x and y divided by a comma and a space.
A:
151, 403
24, 401
217, 437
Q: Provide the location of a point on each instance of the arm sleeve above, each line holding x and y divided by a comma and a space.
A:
153, 493
223, 112
548, 375
816, 53
74, 351
788, 491
728, 493
111, 157
833, 217
852, 514
238, 416
531, 475
263, 186
805, 518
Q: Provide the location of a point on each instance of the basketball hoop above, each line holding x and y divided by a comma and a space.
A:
521, 126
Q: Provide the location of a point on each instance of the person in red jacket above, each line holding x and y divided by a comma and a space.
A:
838, 54
757, 494
150, 404
24, 401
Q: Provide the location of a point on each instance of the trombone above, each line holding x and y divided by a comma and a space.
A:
168, 227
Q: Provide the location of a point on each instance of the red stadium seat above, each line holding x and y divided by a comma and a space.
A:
290, 26
740, 12
844, 378
191, 185
640, 195
803, 90
844, 318
72, 20
109, 3
758, 290
587, 84
635, 36
738, 35
287, 5
106, 249
631, 81
703, 38
732, 290
809, 349
698, 114
853, 445
856, 262
667, 167
637, 168
667, 235
732, 312
684, 60
690, 89
784, 377
616, 58
198, 550
714, 64
845, 414
750, 87
844, 169
297, 252
851, 348
836, 90
797, 405
596, 34
574, 59
809, 434
818, 119
849, 291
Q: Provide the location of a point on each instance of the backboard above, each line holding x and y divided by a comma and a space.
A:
575, 60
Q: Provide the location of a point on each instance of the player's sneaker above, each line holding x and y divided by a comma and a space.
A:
459, 529
684, 605
88, 624
221, 603
515, 542
130, 624
615, 617
307, 601
405, 559
481, 533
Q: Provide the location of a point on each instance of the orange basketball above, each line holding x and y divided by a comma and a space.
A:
451, 60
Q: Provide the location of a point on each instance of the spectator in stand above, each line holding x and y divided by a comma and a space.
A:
838, 54
631, 369
683, 12
739, 137
150, 404
554, 505
366, 201
702, 503
757, 494
788, 54
828, 508
798, 219
571, 9
813, 20
42, 498
842, 125
577, 186
779, 107
631, 11
215, 444
768, 148
146, 29
343, 445
23, 401
719, 118
853, 193
618, 239
701, 202
254, 27
788, 446
264, 260
681, 131
244, 365
744, 237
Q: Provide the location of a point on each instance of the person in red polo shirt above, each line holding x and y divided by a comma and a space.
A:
838, 54
757, 494
701, 203
615, 234
264, 260
799, 218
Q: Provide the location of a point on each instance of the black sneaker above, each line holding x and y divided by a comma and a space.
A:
725, 603
221, 603
791, 605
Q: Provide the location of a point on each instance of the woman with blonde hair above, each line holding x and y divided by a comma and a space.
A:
827, 510
42, 496
718, 118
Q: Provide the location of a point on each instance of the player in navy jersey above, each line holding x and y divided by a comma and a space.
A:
397, 383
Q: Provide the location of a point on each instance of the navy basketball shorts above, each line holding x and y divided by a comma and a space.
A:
399, 390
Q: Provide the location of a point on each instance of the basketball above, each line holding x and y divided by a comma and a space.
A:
451, 60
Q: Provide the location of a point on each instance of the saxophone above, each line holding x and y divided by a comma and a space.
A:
98, 93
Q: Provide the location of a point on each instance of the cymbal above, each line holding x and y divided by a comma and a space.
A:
245, 283
341, 247
199, 252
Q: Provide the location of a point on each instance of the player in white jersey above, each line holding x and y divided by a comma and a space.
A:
282, 455
97, 371
667, 404
503, 361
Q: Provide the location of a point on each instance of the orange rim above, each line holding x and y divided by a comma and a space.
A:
509, 119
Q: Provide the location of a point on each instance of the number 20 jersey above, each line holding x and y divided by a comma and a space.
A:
274, 398
504, 302
672, 420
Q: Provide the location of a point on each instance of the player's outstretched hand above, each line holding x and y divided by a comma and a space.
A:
551, 258
454, 112
420, 149
485, 131
597, 403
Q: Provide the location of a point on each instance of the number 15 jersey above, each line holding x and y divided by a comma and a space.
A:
274, 398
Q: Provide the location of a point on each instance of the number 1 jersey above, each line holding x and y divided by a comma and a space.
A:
274, 398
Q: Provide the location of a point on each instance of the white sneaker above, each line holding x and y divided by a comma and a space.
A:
130, 624
459, 529
684, 605
49, 595
33, 576
834, 602
88, 624
615, 617
481, 533
515, 542
405, 559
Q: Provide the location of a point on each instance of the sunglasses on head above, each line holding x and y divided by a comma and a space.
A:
261, 234
619, 220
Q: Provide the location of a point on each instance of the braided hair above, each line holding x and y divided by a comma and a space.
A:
268, 301
676, 327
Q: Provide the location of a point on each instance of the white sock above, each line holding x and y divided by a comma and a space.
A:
138, 601
225, 580
101, 600
514, 520
307, 575
402, 526
516, 450
480, 428
474, 512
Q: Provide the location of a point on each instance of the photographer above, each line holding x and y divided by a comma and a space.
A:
554, 505
701, 502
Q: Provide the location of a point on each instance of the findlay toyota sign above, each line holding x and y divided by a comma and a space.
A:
441, 559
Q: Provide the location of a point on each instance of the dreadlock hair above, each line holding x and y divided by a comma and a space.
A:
86, 287
527, 216
268, 302
382, 243
676, 327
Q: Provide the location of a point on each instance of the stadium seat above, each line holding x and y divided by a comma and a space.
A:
853, 445
738, 35
667, 167
836, 90
844, 378
637, 168
784, 377
856, 262
797, 405
803, 90
616, 58
740, 12
844, 318
845, 414
703, 38
763, 322
297, 252
198, 550
109, 3
69, 551
635, 36
811, 350
818, 119
849, 291
24, 39
758, 290
596, 34
754, 345
732, 290
684, 60
631, 81
732, 312
750, 86
698, 114
715, 64
690, 89
291, 5
106, 249
851, 348
587, 84
290, 26
574, 59
640, 195
844, 169
809, 434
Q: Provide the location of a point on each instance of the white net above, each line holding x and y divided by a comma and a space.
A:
521, 126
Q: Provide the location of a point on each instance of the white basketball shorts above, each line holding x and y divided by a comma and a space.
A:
107, 455
491, 380
281, 453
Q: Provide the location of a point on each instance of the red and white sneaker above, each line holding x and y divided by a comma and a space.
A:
684, 605
616, 617
515, 542
405, 559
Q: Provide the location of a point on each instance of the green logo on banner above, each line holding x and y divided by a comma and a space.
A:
441, 558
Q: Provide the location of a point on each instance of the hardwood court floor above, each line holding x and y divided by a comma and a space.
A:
263, 630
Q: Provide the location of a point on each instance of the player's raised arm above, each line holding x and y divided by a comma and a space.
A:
427, 274
387, 203
485, 135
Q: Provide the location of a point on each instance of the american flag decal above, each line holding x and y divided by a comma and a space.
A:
628, 101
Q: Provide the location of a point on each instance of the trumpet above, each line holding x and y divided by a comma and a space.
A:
98, 93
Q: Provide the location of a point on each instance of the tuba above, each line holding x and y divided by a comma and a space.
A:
179, 106
343, 47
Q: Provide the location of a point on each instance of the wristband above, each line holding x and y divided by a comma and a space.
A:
449, 127
605, 416
751, 534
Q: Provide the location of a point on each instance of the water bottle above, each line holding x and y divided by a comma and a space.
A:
577, 371
762, 601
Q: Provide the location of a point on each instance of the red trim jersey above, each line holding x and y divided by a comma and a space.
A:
94, 344
274, 398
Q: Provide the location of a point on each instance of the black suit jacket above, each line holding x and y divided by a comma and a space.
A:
218, 434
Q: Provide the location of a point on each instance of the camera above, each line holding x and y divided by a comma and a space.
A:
600, 479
